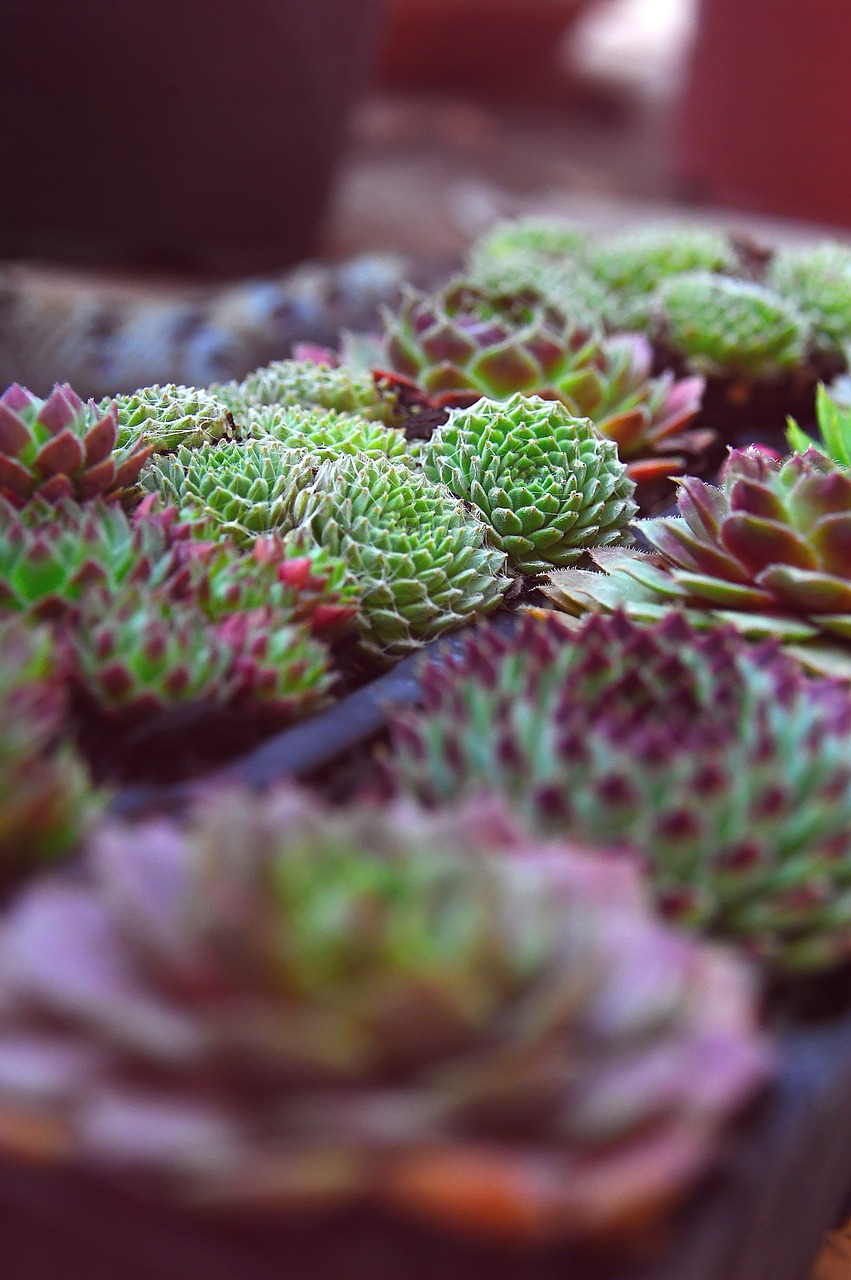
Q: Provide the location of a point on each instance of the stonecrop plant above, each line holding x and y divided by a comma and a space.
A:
765, 551
420, 562
62, 448
547, 484
722, 764
439, 1017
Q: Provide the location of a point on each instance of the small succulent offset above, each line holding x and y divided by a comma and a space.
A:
142, 654
420, 562
244, 488
767, 551
301, 384
834, 424
817, 279
62, 448
325, 433
731, 328
45, 797
502, 1041
721, 763
166, 418
551, 239
547, 484
50, 554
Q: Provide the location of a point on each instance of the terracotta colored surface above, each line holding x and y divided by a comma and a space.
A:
835, 1261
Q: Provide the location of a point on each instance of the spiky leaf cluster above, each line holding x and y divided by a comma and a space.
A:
421, 564
244, 488
324, 433
545, 238
723, 765
500, 1039
166, 418
301, 384
62, 448
143, 653
50, 554
731, 327
817, 280
547, 484
45, 800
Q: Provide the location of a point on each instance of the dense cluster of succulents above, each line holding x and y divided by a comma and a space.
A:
45, 800
547, 485
421, 563
766, 550
244, 488
62, 448
496, 1039
723, 765
294, 384
466, 341
166, 418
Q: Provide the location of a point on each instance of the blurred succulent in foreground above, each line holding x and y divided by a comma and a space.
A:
245, 489
302, 384
50, 554
61, 448
271, 1006
45, 801
547, 484
723, 765
142, 654
834, 424
421, 564
731, 328
324, 433
166, 418
817, 279
767, 552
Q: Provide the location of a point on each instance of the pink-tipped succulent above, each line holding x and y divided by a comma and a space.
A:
271, 1006
62, 448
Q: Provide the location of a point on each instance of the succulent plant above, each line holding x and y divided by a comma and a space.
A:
244, 488
324, 433
61, 448
566, 285
166, 418
421, 563
817, 279
545, 238
731, 328
277, 1006
45, 799
721, 763
547, 485
302, 384
50, 554
301, 582
834, 425
463, 340
638, 261
765, 552
141, 653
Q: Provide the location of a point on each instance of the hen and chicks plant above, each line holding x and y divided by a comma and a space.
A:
436, 1017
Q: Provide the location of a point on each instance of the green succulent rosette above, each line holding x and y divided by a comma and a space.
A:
167, 418
301, 384
420, 562
324, 433
244, 488
731, 328
547, 484
817, 280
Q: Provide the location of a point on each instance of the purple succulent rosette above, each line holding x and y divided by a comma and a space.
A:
276, 1007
